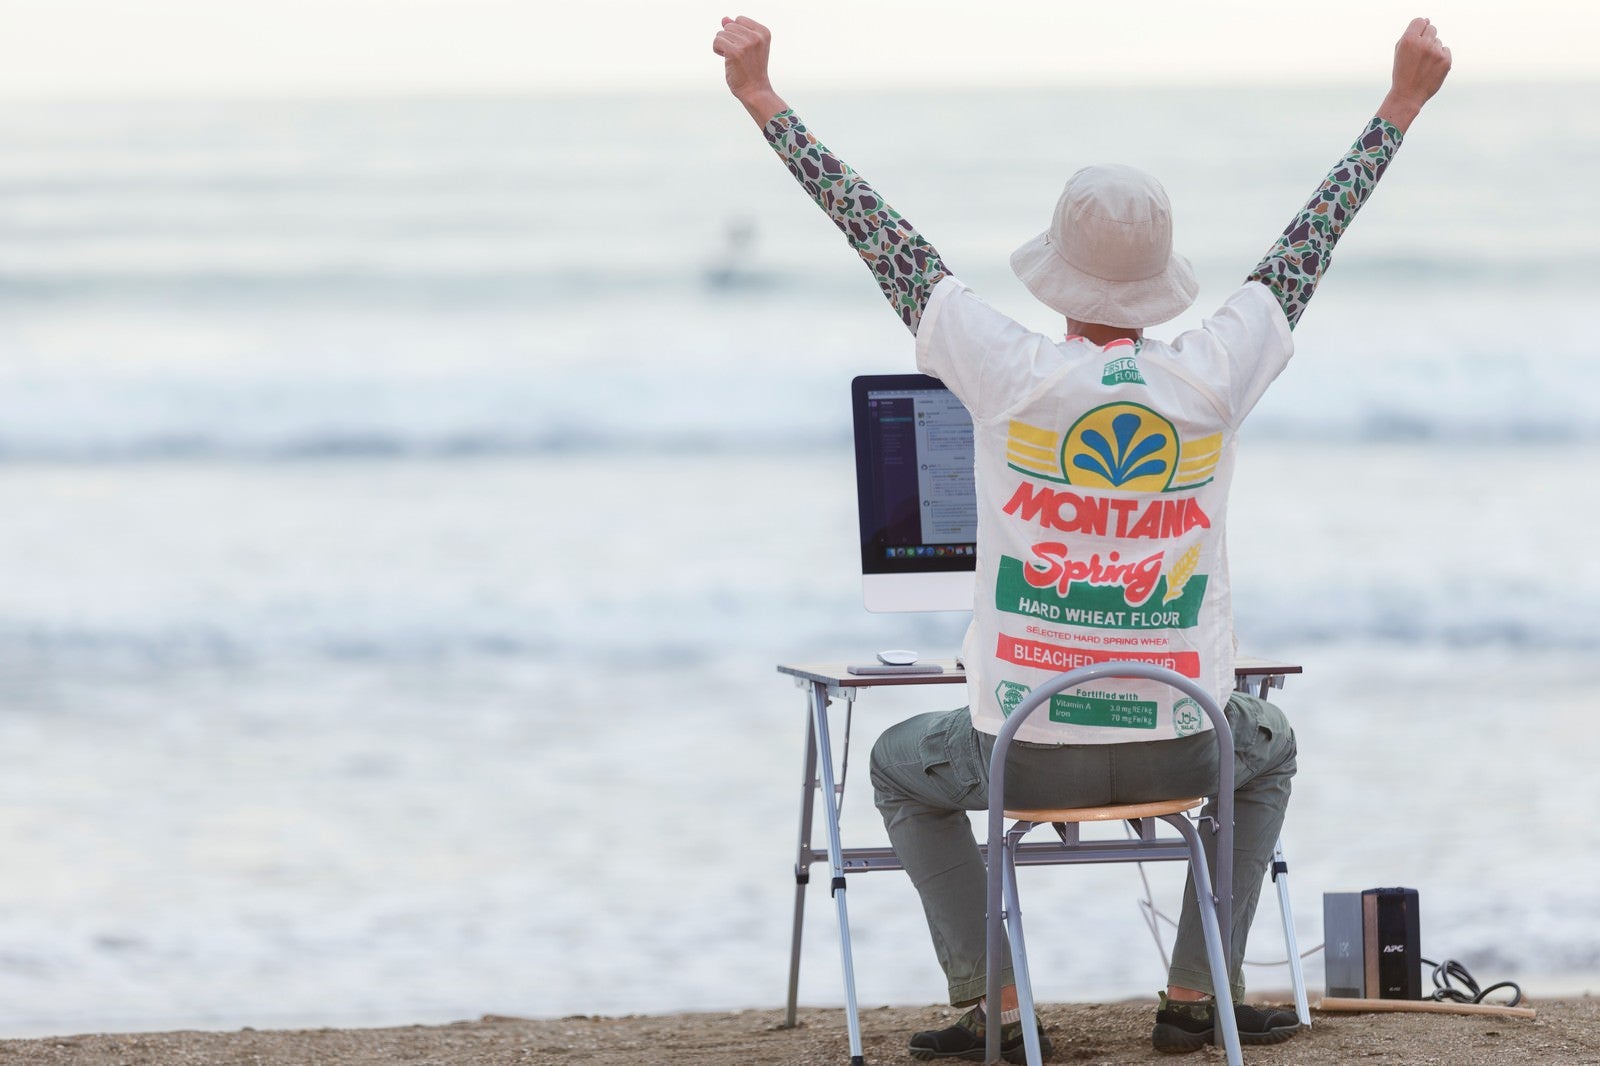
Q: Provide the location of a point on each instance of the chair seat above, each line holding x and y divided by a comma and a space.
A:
1107, 814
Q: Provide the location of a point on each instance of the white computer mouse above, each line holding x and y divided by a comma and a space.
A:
897, 658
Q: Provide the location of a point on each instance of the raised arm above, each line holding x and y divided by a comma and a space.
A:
905, 265
1295, 264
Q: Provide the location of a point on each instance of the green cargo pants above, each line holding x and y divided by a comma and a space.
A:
928, 771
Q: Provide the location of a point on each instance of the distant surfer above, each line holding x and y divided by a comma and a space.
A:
734, 268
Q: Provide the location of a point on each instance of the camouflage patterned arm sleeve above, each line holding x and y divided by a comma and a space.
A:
1295, 264
905, 265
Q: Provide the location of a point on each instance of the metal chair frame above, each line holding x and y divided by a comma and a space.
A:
1216, 908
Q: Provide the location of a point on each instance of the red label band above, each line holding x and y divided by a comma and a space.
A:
1042, 656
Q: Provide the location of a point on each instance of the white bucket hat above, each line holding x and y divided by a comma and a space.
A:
1107, 256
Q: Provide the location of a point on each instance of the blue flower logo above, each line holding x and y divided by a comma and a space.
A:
1121, 446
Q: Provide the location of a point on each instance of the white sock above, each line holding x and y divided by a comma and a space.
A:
1007, 1017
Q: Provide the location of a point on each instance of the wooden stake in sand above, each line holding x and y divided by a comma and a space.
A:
1423, 1006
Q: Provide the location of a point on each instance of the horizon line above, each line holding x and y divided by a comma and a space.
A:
442, 93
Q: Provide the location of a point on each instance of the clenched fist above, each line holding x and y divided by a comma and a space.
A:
1421, 62
744, 44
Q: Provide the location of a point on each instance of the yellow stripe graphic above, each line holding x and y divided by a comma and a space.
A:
1198, 459
1039, 438
1035, 450
1028, 451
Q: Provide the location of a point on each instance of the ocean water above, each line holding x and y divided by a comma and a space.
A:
406, 503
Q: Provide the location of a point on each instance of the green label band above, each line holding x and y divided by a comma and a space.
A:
1097, 606
1092, 710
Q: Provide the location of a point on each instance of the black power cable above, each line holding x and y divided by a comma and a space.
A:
1444, 991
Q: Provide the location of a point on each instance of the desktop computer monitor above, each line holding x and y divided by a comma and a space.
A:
914, 490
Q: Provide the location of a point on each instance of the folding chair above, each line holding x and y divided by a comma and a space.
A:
1004, 909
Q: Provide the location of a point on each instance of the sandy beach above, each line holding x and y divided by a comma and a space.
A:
1565, 1031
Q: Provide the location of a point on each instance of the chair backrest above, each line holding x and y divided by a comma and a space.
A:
1085, 674
1082, 676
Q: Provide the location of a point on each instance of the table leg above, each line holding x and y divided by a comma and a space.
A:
1297, 976
830, 810
1280, 878
802, 864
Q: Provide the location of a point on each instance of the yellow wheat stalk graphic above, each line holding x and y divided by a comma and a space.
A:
1180, 573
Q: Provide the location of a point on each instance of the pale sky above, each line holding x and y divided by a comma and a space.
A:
97, 48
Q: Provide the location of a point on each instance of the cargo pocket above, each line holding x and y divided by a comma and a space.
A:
951, 757
1261, 735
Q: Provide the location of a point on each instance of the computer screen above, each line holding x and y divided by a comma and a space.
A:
918, 511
